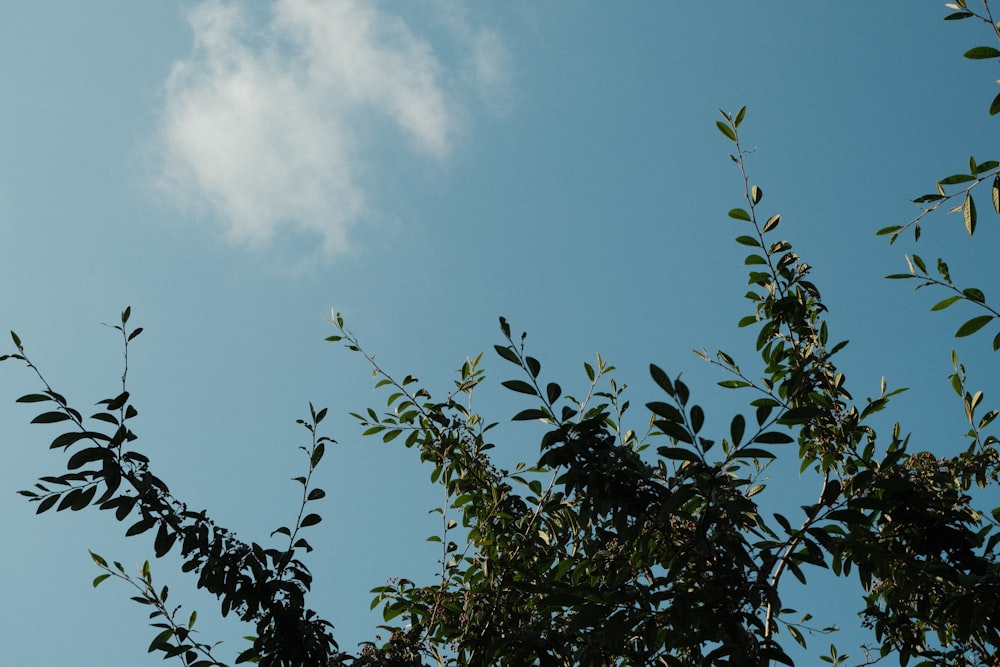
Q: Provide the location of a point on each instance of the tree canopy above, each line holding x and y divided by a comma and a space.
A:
616, 546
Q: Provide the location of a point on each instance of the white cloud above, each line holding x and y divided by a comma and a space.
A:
486, 67
265, 125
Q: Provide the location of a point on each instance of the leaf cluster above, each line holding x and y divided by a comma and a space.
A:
262, 586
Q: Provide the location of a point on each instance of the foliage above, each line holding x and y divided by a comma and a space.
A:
614, 547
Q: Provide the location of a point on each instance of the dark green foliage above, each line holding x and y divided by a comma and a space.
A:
613, 547
265, 587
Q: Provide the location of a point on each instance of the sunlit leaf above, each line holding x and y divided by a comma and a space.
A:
969, 214
726, 130
955, 179
739, 116
944, 303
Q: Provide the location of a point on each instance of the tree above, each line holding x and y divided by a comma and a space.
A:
615, 547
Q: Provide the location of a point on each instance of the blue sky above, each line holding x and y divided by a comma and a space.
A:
234, 171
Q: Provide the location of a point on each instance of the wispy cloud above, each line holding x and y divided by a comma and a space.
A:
267, 122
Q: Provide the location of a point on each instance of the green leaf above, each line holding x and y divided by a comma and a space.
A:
310, 520
678, 454
771, 223
50, 418
748, 240
969, 214
726, 130
164, 541
974, 294
674, 430
734, 384
697, 418
160, 640
739, 116
46, 503
944, 303
955, 179
995, 190
661, 378
87, 455
99, 578
982, 53
892, 229
796, 635
140, 527
34, 398
736, 429
105, 417
392, 611
942, 268
682, 391
80, 500
520, 386
317, 454
754, 452
773, 438
995, 105
508, 354
800, 415
665, 410
530, 414
739, 214
973, 325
